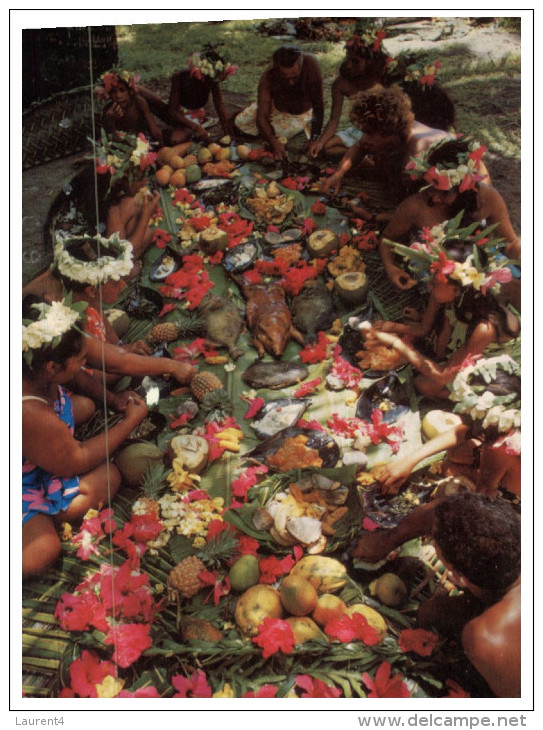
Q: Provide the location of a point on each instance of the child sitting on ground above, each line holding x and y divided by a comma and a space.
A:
126, 111
62, 478
462, 269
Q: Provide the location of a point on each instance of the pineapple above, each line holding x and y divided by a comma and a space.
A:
184, 578
203, 383
153, 484
164, 332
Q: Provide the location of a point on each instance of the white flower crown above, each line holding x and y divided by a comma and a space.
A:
55, 320
491, 409
104, 268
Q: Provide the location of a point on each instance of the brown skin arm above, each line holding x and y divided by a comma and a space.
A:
353, 155
374, 546
154, 129
119, 362
219, 106
404, 219
59, 453
316, 94
494, 209
492, 644
413, 329
318, 145
263, 116
482, 336
399, 469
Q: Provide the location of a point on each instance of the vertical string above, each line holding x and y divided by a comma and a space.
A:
101, 312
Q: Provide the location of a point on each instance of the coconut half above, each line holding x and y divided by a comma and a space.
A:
320, 243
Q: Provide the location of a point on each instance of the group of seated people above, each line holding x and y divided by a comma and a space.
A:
452, 233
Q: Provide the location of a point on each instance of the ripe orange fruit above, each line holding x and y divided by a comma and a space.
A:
164, 155
298, 596
178, 179
328, 607
163, 175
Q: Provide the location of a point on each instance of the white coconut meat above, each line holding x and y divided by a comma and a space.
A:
306, 530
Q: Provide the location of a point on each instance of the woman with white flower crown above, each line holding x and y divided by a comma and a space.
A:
485, 444
62, 477
463, 267
92, 270
454, 180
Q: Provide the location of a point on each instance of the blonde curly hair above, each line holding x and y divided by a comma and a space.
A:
383, 110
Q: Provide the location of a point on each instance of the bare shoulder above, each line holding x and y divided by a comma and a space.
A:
423, 136
492, 644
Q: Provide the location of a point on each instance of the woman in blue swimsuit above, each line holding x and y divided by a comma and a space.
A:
62, 477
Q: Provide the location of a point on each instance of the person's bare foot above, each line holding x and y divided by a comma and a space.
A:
372, 547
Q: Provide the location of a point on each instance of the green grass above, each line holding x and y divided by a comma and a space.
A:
486, 93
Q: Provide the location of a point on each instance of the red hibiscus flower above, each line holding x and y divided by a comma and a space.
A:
146, 527
274, 635
315, 687
344, 372
352, 628
183, 197
420, 641
220, 585
252, 276
195, 686
442, 268
315, 353
383, 685
307, 388
477, 154
80, 613
130, 641
318, 208
247, 545
309, 425
271, 568
255, 404
308, 226
246, 480
167, 308
88, 671
267, 690
440, 182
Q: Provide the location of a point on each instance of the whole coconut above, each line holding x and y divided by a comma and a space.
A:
134, 460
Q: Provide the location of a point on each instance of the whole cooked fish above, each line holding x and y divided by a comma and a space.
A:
274, 375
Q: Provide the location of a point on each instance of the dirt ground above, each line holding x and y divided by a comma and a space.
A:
41, 184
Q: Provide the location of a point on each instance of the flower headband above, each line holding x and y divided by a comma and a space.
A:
113, 260
447, 175
428, 256
370, 38
111, 79
55, 320
501, 411
124, 154
209, 63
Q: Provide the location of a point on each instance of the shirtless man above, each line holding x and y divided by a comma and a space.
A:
477, 538
290, 100
391, 135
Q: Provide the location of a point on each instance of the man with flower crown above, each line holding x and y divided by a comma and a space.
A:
290, 100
